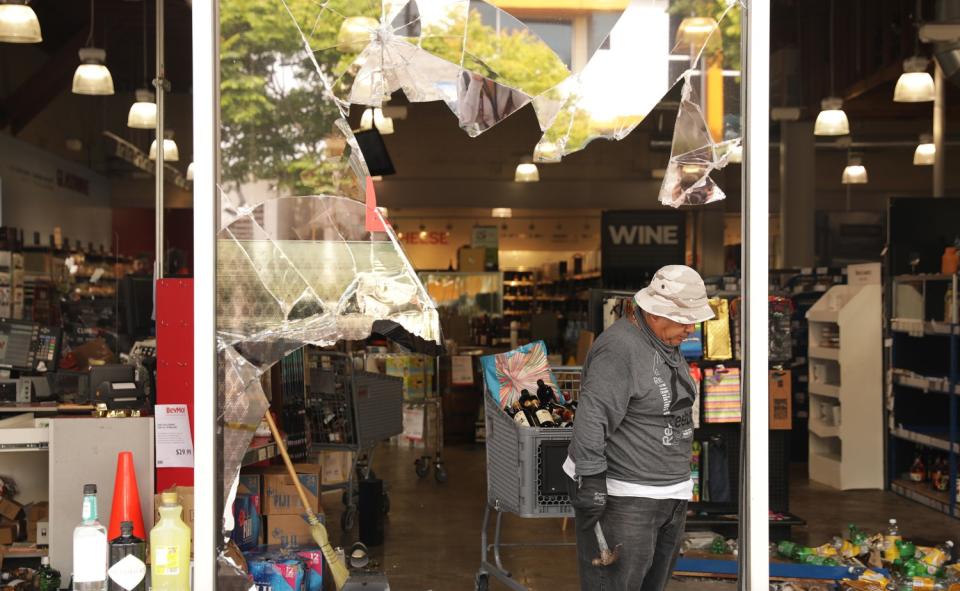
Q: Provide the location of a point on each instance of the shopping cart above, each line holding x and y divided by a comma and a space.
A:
524, 477
423, 463
350, 410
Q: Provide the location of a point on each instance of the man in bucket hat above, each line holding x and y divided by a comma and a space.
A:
629, 459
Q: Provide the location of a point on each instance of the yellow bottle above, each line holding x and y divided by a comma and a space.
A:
170, 547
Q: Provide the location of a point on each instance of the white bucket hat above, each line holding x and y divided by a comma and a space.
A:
676, 292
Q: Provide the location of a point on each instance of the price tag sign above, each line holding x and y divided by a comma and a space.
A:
461, 370
172, 434
413, 423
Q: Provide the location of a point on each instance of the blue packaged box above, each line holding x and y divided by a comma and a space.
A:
248, 524
276, 573
313, 563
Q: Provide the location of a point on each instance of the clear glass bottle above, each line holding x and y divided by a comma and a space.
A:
170, 547
89, 547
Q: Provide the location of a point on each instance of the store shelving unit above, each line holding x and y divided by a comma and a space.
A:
923, 402
846, 387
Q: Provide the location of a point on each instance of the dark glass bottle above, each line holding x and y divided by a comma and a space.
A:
47, 579
545, 394
128, 555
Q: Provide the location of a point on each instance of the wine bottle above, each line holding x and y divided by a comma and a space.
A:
545, 394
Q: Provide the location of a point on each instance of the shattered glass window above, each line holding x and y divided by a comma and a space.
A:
303, 254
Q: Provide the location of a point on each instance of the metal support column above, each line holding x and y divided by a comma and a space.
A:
159, 84
207, 470
754, 566
939, 125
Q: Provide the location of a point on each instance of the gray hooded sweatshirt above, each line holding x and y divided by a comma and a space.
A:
635, 418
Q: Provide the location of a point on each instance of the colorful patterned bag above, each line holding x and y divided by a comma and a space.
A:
506, 374
721, 395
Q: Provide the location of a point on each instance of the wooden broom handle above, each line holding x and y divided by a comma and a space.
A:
286, 460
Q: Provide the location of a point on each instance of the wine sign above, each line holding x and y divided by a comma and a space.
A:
635, 243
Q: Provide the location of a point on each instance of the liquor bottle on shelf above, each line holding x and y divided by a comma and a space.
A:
89, 547
918, 471
128, 554
170, 547
47, 578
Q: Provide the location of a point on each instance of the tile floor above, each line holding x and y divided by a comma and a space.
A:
433, 530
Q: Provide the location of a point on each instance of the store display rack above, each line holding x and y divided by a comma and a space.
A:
923, 419
845, 385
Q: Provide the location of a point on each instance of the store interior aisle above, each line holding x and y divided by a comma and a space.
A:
434, 542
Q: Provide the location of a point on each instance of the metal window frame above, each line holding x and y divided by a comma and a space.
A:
754, 530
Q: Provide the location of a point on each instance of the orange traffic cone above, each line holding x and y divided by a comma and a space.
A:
126, 499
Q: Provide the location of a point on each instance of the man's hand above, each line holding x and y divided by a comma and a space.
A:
588, 495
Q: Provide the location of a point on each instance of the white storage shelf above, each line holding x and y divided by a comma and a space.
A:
846, 384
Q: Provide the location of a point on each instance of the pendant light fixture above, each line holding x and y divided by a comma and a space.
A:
170, 151
143, 112
18, 23
527, 172
190, 171
915, 85
693, 33
926, 151
501, 212
374, 117
831, 120
92, 76
855, 173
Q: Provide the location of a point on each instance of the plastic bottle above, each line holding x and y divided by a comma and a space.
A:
939, 555
921, 584
890, 550
170, 547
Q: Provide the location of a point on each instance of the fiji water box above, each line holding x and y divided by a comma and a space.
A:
313, 563
274, 573
248, 523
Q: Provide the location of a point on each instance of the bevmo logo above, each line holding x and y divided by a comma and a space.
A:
176, 410
644, 235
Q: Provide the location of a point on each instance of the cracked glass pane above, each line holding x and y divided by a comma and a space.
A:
296, 261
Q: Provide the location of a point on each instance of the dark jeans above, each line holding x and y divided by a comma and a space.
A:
650, 532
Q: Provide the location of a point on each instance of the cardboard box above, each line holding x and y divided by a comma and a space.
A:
279, 495
10, 508
472, 260
414, 387
313, 561
336, 466
275, 572
35, 513
8, 533
781, 400
288, 531
248, 527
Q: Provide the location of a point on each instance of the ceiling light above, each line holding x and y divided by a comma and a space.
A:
915, 84
189, 170
501, 212
855, 173
736, 154
526, 172
73, 144
170, 151
373, 117
693, 33
143, 113
831, 120
546, 151
926, 151
92, 76
355, 33
19, 24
